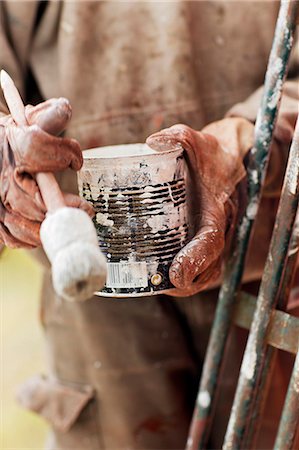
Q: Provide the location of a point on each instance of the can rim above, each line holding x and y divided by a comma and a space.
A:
137, 150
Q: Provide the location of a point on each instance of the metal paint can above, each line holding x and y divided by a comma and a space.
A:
139, 197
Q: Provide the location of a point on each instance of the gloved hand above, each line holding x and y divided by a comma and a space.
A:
214, 158
24, 151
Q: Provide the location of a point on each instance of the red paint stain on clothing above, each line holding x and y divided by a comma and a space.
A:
154, 425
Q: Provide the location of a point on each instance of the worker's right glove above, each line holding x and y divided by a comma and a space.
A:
214, 157
25, 151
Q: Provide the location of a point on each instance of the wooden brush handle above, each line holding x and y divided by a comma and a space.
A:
50, 191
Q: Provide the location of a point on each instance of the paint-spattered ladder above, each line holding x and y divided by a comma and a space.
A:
270, 327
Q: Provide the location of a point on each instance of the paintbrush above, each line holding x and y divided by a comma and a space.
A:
67, 234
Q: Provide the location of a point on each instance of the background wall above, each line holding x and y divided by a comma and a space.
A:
21, 348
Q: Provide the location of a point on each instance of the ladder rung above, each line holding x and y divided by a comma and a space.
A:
283, 332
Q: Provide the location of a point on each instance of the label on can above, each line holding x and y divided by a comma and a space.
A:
127, 275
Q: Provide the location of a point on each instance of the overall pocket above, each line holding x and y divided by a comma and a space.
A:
70, 409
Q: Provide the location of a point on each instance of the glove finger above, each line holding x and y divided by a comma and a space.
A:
25, 205
167, 138
200, 149
51, 116
10, 241
75, 201
22, 230
6, 236
207, 277
196, 257
177, 134
23, 197
38, 151
19, 191
205, 158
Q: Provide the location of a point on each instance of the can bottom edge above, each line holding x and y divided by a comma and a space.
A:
133, 295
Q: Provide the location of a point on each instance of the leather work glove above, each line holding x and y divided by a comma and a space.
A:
214, 159
24, 151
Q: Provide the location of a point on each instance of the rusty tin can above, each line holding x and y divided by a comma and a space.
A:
139, 197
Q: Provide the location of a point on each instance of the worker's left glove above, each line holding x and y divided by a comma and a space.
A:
215, 161
24, 151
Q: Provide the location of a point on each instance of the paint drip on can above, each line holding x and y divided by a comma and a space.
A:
139, 197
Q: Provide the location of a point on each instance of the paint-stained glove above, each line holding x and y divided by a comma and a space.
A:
24, 151
215, 161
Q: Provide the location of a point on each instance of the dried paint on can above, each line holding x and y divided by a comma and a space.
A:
139, 197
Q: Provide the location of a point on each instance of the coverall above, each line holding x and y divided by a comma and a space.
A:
124, 374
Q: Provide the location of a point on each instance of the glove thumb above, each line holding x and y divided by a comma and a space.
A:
195, 263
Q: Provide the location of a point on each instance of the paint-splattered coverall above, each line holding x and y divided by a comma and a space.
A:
123, 374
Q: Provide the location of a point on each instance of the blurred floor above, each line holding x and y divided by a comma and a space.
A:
21, 348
